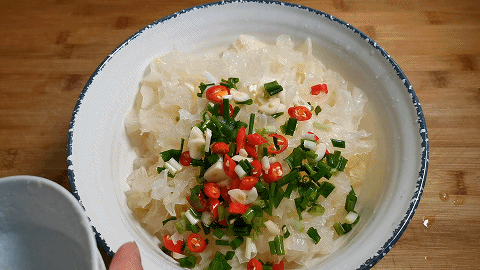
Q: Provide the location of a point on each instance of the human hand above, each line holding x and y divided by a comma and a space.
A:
127, 258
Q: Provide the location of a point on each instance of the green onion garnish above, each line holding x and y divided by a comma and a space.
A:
218, 233
312, 232
236, 243
229, 255
339, 229
236, 110
338, 143
350, 201
289, 127
273, 88
222, 242
188, 262
246, 166
230, 83
249, 215
279, 245
226, 109
316, 210
326, 188
318, 110
342, 162
273, 248
271, 193
203, 87
252, 121
168, 219
246, 102
276, 115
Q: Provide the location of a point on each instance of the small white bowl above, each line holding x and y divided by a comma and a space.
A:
42, 226
99, 157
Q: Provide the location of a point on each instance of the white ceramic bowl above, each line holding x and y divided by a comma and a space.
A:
42, 226
99, 157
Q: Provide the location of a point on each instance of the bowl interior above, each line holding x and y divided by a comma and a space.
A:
100, 157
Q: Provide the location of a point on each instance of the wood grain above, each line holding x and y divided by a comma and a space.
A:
49, 49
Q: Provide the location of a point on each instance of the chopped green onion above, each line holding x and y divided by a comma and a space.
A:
290, 188
222, 242
206, 229
350, 201
287, 232
338, 143
326, 188
218, 233
271, 193
252, 121
273, 88
230, 83
289, 127
351, 217
279, 245
172, 153
276, 115
188, 262
181, 225
321, 126
221, 212
295, 159
312, 232
309, 169
346, 227
236, 243
236, 110
259, 203
273, 247
339, 229
278, 197
203, 87
316, 210
246, 166
229, 255
249, 215
342, 162
318, 110
168, 219
226, 109
246, 102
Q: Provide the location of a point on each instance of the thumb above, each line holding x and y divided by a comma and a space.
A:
127, 258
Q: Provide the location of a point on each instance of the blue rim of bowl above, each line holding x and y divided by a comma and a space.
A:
422, 175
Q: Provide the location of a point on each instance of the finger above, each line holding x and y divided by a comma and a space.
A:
127, 258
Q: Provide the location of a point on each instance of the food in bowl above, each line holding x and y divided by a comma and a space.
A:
249, 159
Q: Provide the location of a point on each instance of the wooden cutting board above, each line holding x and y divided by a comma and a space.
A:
49, 49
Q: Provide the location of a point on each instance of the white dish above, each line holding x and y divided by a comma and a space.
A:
99, 157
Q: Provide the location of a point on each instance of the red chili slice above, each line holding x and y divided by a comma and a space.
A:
281, 141
235, 183
229, 167
319, 88
251, 150
216, 93
254, 264
196, 243
241, 139
278, 266
225, 195
185, 158
248, 182
214, 203
237, 208
167, 239
300, 113
274, 173
212, 190
257, 168
220, 148
255, 139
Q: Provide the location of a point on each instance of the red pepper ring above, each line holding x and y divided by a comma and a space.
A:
281, 141
168, 242
196, 243
301, 113
255, 139
229, 166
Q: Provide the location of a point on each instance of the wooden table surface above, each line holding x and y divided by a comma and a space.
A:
49, 49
